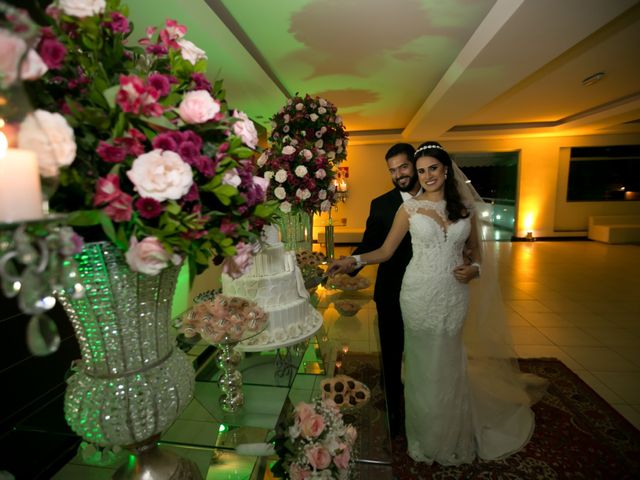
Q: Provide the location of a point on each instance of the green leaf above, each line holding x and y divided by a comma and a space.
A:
110, 95
84, 218
161, 121
224, 193
121, 123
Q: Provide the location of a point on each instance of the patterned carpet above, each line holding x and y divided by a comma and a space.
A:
578, 435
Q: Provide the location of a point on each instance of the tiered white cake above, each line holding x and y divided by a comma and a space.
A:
275, 283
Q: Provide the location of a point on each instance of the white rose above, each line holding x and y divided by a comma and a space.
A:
190, 52
332, 187
320, 151
245, 129
198, 107
319, 144
232, 178
281, 176
307, 154
50, 136
12, 48
301, 171
288, 150
303, 193
338, 119
262, 160
321, 173
286, 117
285, 207
268, 175
339, 150
313, 117
161, 175
280, 193
322, 194
294, 142
325, 206
322, 110
322, 102
82, 8
338, 142
331, 155
299, 106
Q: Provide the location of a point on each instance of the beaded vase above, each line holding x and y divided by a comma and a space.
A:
132, 381
296, 230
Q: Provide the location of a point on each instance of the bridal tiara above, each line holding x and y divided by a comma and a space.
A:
426, 147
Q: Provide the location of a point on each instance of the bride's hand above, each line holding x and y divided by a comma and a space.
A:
466, 273
344, 265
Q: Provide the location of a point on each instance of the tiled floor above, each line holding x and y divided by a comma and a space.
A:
575, 301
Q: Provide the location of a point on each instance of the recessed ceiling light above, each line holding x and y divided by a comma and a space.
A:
591, 79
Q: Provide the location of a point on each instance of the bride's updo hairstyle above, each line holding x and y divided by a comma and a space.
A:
455, 208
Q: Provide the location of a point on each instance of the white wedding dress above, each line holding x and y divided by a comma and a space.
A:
451, 417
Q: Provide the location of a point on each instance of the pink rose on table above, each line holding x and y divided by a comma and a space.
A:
281, 176
50, 136
342, 459
147, 256
321, 173
325, 206
301, 171
245, 129
82, 8
190, 52
351, 434
304, 410
161, 175
198, 107
312, 426
285, 207
280, 193
307, 154
296, 472
318, 457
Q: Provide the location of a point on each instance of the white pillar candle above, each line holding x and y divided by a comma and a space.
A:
20, 192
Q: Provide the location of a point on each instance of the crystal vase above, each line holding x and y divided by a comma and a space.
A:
132, 382
296, 230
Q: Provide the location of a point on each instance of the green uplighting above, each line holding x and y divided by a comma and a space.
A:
223, 428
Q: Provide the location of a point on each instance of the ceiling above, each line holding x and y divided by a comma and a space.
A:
415, 69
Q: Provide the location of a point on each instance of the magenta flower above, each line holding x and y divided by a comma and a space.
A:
160, 82
118, 24
110, 153
148, 207
165, 141
228, 227
171, 33
107, 189
200, 82
120, 209
52, 52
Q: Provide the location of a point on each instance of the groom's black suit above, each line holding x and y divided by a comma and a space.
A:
387, 296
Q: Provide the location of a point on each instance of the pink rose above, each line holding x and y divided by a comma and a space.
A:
148, 256
12, 48
198, 107
312, 426
342, 459
318, 457
82, 8
288, 150
296, 472
161, 175
304, 410
237, 265
245, 129
321, 173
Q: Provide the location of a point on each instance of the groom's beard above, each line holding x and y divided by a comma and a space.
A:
405, 186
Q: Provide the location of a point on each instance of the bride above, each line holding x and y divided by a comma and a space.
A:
462, 399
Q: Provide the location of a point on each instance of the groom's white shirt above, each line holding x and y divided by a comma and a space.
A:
406, 195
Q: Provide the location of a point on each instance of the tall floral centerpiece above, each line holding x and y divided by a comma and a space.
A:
307, 142
162, 173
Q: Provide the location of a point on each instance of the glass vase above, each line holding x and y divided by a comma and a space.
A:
296, 230
132, 382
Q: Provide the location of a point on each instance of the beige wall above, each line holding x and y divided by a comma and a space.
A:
542, 182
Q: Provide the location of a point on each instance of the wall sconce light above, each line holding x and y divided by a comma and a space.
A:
530, 236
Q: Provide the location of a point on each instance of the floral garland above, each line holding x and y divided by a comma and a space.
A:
308, 141
316, 445
144, 146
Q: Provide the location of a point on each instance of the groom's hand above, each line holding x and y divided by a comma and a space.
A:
465, 273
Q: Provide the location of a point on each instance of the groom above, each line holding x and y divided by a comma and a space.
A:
401, 167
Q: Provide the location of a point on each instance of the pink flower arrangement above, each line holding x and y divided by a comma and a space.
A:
316, 444
308, 141
223, 319
146, 148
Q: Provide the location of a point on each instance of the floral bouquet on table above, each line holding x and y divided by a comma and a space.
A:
308, 141
144, 146
223, 319
316, 445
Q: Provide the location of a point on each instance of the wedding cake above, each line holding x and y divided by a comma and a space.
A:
275, 283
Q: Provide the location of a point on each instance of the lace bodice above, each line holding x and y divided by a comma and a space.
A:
431, 296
